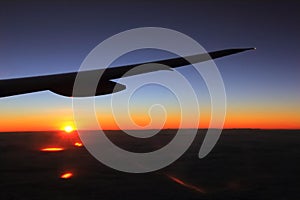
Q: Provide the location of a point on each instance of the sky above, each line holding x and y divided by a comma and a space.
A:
262, 86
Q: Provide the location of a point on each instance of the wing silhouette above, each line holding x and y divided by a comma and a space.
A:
62, 84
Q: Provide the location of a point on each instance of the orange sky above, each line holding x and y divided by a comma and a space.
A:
238, 116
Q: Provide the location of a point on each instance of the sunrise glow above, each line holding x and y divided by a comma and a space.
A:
68, 129
187, 185
264, 115
52, 149
66, 175
78, 144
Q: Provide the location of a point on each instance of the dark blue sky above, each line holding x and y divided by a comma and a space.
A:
55, 37
40, 37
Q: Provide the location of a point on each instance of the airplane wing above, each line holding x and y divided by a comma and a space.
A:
62, 84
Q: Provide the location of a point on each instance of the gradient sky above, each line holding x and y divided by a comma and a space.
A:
262, 86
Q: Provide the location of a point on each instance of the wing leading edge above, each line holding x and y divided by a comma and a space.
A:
62, 84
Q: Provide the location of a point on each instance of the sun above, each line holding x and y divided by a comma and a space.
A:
68, 129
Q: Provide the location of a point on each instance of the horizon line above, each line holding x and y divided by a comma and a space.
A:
33, 131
